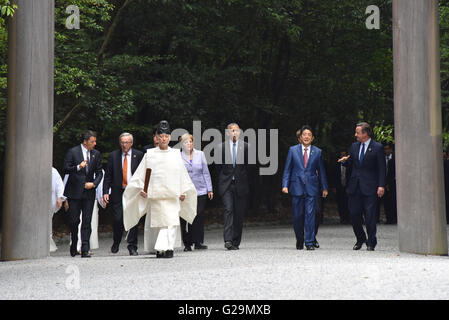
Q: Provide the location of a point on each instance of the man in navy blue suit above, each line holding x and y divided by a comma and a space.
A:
367, 160
303, 167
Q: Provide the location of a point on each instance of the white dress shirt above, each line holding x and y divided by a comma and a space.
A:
387, 158
366, 146
84, 151
303, 148
231, 144
57, 189
236, 147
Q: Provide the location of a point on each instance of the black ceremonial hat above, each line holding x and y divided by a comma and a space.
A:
163, 127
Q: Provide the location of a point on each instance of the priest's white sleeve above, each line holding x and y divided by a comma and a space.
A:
134, 205
188, 206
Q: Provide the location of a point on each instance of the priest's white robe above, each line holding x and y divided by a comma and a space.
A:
57, 191
169, 180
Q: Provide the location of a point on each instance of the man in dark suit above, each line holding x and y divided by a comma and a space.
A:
390, 186
151, 145
342, 175
303, 167
367, 160
83, 165
122, 163
446, 183
233, 185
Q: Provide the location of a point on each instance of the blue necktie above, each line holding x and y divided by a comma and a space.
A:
362, 154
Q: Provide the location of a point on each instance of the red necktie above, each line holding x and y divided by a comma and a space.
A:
306, 158
125, 171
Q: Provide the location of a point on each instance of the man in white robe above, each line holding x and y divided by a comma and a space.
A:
171, 194
57, 198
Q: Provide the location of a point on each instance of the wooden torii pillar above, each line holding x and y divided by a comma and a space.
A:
29, 139
418, 128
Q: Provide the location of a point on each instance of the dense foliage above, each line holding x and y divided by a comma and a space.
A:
261, 63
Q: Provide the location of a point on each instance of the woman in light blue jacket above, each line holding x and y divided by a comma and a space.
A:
196, 165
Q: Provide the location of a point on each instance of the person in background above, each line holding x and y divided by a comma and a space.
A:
151, 145
446, 183
57, 198
390, 186
342, 175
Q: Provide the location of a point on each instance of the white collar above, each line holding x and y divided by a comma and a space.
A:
367, 142
83, 149
308, 148
232, 142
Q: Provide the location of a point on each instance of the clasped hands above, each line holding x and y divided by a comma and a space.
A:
87, 185
83, 164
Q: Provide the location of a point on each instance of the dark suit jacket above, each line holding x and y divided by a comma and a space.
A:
370, 174
113, 175
304, 181
338, 175
148, 146
75, 184
226, 170
446, 180
391, 173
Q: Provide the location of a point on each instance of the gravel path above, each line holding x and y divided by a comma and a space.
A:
267, 266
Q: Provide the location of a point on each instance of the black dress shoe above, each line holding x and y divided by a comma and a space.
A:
357, 246
230, 246
187, 248
85, 255
316, 244
73, 251
311, 247
159, 254
132, 252
168, 254
199, 246
369, 248
299, 245
114, 248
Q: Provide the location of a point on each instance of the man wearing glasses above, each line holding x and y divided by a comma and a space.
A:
121, 166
